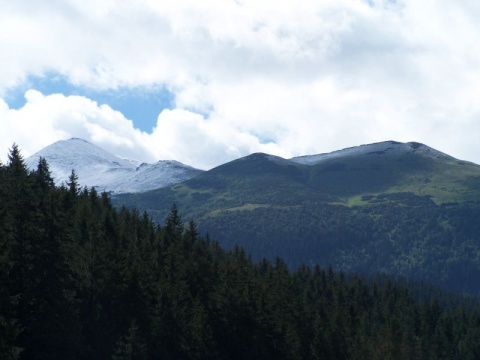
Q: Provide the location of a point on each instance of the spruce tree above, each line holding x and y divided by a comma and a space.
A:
54, 319
9, 325
20, 215
72, 183
173, 226
131, 346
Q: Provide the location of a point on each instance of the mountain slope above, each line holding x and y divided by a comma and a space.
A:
389, 167
400, 208
98, 168
381, 148
356, 176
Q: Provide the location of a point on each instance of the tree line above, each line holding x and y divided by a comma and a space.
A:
81, 279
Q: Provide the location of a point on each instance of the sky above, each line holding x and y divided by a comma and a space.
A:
206, 82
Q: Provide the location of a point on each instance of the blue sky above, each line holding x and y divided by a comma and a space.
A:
206, 84
140, 104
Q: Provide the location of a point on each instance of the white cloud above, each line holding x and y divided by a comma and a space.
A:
192, 139
180, 134
249, 75
46, 119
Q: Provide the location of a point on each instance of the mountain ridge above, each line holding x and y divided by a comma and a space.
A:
107, 172
404, 209
373, 148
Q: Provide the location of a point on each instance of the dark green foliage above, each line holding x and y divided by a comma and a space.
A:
9, 327
83, 280
130, 347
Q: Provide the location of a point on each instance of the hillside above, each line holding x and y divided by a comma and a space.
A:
83, 280
400, 208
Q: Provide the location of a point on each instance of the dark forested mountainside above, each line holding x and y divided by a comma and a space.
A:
80, 279
434, 244
406, 210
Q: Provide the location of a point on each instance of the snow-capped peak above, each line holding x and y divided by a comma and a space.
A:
98, 168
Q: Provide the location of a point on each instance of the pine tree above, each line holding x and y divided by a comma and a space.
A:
201, 344
20, 215
9, 326
191, 233
53, 319
72, 183
173, 226
131, 346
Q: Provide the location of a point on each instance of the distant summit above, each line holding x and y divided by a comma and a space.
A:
98, 168
381, 148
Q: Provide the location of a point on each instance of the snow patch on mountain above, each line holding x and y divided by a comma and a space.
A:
381, 148
98, 168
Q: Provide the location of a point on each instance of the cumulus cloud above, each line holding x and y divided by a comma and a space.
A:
180, 134
248, 75
45, 119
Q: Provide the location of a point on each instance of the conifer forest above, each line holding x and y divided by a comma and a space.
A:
82, 279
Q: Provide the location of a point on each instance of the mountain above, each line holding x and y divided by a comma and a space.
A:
98, 168
82, 280
381, 148
393, 167
400, 208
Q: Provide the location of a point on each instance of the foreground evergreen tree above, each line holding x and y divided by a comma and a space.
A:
19, 220
130, 347
9, 327
52, 289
